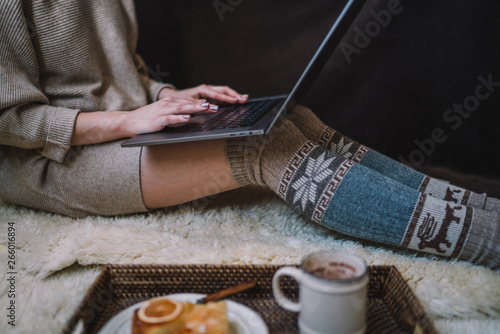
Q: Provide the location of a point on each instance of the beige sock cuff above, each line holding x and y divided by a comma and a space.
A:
235, 154
309, 124
262, 159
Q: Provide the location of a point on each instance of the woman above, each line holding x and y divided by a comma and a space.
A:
73, 87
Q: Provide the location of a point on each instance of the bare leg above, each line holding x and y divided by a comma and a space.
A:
178, 173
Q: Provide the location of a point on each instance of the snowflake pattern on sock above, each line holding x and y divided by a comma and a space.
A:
340, 144
306, 186
311, 179
342, 148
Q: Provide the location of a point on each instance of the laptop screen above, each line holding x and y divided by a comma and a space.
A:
329, 44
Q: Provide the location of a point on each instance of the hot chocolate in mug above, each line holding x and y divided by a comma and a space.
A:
332, 293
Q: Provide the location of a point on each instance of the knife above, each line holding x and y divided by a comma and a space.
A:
226, 292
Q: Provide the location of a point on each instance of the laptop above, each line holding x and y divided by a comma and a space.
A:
257, 116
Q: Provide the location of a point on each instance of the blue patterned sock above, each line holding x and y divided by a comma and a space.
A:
317, 131
352, 199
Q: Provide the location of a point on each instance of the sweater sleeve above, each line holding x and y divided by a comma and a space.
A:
27, 120
151, 86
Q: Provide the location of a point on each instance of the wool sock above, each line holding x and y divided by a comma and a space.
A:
355, 200
314, 129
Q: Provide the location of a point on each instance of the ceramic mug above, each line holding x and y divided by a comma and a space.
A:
332, 293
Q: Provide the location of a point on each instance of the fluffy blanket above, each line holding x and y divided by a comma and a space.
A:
57, 258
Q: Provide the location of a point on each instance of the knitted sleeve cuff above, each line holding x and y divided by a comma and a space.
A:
155, 88
59, 133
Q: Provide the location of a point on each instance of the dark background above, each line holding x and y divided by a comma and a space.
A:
394, 91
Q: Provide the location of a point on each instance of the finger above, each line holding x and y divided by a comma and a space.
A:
167, 107
241, 98
173, 105
210, 93
207, 108
175, 119
182, 99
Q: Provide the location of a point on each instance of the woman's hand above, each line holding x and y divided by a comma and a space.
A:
167, 111
174, 107
215, 93
102, 126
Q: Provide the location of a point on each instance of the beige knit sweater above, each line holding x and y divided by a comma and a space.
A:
61, 57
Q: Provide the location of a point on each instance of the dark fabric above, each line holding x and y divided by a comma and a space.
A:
391, 94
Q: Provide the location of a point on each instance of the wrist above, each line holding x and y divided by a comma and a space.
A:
100, 126
125, 124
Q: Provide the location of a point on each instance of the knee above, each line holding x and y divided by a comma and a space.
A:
301, 110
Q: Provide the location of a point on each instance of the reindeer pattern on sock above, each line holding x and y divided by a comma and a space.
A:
438, 227
426, 232
450, 193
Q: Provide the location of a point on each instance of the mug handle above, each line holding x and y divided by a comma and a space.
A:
281, 299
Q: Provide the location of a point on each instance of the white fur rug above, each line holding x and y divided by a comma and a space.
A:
57, 258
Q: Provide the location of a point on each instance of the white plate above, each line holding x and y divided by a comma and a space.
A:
242, 319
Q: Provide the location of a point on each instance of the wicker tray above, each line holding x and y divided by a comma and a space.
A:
392, 307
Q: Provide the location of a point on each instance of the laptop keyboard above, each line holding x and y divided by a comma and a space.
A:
241, 116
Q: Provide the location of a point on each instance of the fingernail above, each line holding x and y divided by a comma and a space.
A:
205, 105
187, 117
244, 96
215, 108
235, 98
